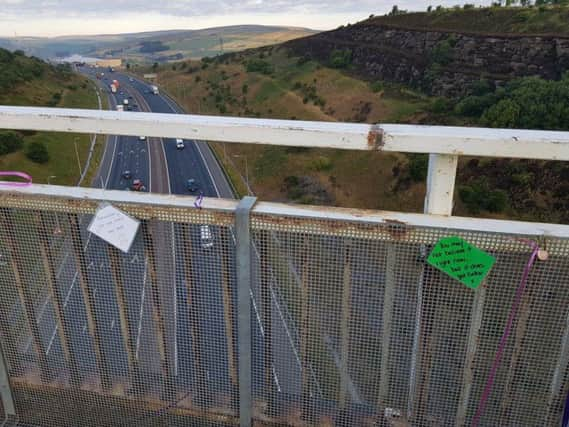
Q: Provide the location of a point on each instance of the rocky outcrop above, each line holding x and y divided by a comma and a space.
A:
442, 63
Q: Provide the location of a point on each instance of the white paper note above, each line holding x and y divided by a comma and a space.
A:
114, 227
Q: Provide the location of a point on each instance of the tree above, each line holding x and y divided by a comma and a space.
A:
10, 142
429, 9
127, 66
155, 66
394, 10
37, 152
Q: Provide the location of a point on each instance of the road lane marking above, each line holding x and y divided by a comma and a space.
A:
64, 305
141, 310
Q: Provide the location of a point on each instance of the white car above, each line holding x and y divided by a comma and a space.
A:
206, 237
142, 138
180, 144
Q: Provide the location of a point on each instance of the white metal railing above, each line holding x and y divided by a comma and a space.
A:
444, 144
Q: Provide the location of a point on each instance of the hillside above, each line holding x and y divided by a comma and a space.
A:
281, 82
160, 45
553, 20
29, 81
429, 52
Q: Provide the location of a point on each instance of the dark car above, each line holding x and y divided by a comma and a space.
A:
192, 185
137, 185
126, 175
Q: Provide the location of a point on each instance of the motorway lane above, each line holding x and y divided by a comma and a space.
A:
197, 161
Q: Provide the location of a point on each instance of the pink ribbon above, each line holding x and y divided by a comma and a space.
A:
23, 175
505, 335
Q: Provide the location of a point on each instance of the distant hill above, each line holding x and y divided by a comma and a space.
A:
171, 44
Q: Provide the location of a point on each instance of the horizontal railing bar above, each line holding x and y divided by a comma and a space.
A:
78, 199
512, 143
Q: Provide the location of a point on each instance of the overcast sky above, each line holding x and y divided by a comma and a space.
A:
65, 17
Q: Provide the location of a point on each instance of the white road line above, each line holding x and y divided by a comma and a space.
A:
141, 310
64, 305
207, 168
112, 324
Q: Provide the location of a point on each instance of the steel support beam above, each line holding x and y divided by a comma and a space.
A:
244, 276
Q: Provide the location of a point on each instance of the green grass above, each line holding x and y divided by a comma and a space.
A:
269, 90
77, 92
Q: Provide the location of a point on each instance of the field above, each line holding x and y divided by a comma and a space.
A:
76, 92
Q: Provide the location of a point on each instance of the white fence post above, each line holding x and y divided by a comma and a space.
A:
440, 184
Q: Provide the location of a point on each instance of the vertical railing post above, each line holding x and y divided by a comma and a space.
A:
202, 389
441, 179
440, 184
57, 299
6, 391
472, 347
159, 323
387, 320
556, 390
18, 269
345, 325
244, 276
267, 318
89, 301
126, 328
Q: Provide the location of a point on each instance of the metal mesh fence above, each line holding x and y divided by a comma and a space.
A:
349, 325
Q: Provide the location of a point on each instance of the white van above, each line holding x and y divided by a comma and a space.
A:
206, 237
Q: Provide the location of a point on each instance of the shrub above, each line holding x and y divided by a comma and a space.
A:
478, 196
418, 166
474, 106
340, 58
244, 88
376, 87
321, 164
259, 66
10, 142
440, 105
198, 79
37, 152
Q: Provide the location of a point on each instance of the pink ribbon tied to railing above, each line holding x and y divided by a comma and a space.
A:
23, 175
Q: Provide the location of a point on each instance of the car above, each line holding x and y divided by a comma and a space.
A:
135, 106
129, 108
130, 97
142, 138
137, 185
130, 79
192, 185
206, 237
180, 144
126, 174
121, 93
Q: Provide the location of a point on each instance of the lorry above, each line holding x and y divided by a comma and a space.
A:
120, 108
125, 102
113, 88
154, 89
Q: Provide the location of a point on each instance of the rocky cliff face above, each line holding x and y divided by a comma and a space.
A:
442, 63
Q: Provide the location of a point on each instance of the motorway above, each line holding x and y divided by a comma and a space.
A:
163, 169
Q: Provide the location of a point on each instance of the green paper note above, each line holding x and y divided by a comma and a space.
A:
461, 261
